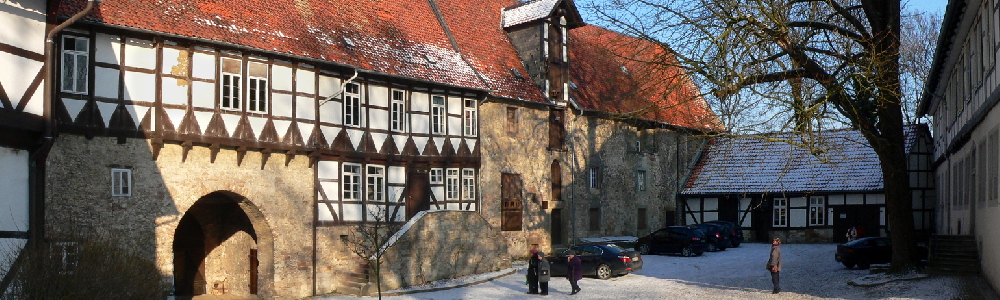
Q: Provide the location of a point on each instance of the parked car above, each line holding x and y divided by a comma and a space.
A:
685, 240
601, 260
735, 232
717, 236
870, 250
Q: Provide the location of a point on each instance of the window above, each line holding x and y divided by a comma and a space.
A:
511, 120
231, 78
398, 113
780, 212
557, 132
257, 88
451, 185
594, 183
468, 184
121, 182
556, 177
352, 104
640, 180
817, 211
471, 118
564, 39
437, 176
437, 115
640, 220
376, 183
352, 182
595, 218
75, 68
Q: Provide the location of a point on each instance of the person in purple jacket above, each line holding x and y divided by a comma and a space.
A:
574, 270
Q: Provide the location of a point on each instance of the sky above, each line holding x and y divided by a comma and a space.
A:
927, 5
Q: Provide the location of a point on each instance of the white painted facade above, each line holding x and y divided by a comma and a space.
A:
961, 97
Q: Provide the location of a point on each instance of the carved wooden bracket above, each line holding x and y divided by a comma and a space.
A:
289, 156
185, 147
313, 158
240, 153
156, 145
264, 155
215, 151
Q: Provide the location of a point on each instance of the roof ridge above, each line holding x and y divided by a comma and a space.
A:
454, 44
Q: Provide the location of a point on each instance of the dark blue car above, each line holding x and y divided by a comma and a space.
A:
601, 260
684, 240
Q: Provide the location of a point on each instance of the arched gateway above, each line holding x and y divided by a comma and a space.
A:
223, 245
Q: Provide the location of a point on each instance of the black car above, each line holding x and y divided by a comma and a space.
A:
601, 260
717, 236
686, 240
735, 232
870, 250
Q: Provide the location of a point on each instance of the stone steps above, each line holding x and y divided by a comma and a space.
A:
356, 282
953, 254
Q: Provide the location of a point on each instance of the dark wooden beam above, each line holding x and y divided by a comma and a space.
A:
215, 151
264, 155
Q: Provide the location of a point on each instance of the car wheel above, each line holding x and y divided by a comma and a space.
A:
687, 252
736, 245
864, 264
603, 271
644, 249
848, 265
712, 247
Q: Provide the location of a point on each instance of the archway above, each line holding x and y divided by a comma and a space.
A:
223, 245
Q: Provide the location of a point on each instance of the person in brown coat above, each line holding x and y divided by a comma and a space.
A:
774, 264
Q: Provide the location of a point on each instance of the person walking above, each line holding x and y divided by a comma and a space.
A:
543, 273
774, 264
574, 271
533, 272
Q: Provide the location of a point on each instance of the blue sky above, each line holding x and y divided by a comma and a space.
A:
927, 5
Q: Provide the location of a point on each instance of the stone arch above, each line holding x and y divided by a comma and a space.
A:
223, 243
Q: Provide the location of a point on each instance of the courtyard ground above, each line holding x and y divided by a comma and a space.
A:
809, 272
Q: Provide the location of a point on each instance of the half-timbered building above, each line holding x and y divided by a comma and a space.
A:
961, 94
238, 144
772, 188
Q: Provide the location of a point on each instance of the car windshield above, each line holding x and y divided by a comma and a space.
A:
614, 248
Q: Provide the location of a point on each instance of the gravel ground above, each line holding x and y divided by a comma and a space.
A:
808, 272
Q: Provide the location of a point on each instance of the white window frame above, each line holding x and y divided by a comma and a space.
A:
77, 57
437, 176
351, 182
352, 105
438, 113
468, 184
257, 86
471, 117
397, 110
817, 211
121, 182
780, 212
68, 254
594, 176
451, 184
375, 183
640, 180
231, 83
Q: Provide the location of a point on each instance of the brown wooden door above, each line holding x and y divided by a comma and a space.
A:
418, 194
254, 263
512, 204
557, 227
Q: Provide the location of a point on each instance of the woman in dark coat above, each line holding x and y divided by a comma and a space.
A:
574, 271
774, 264
543, 273
533, 272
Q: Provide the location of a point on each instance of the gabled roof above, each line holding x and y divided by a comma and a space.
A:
737, 165
632, 77
538, 9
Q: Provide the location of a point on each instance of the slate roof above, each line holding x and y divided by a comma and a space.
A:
401, 38
736, 165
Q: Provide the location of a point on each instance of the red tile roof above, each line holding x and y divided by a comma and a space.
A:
624, 75
404, 38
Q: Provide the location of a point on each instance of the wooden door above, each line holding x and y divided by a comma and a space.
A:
512, 203
254, 263
418, 194
556, 227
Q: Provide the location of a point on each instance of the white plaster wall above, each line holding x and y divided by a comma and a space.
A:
203, 66
853, 199
14, 184
18, 74
203, 94
420, 102
305, 108
711, 204
328, 85
24, 24
173, 92
281, 105
108, 49
281, 78
455, 126
305, 81
140, 86
378, 96
420, 123
454, 105
797, 217
379, 119
106, 82
140, 54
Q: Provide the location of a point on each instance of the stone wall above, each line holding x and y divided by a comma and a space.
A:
592, 141
443, 244
278, 199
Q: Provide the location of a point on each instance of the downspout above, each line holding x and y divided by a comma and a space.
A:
572, 191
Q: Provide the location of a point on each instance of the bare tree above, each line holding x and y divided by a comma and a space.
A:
370, 239
795, 66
